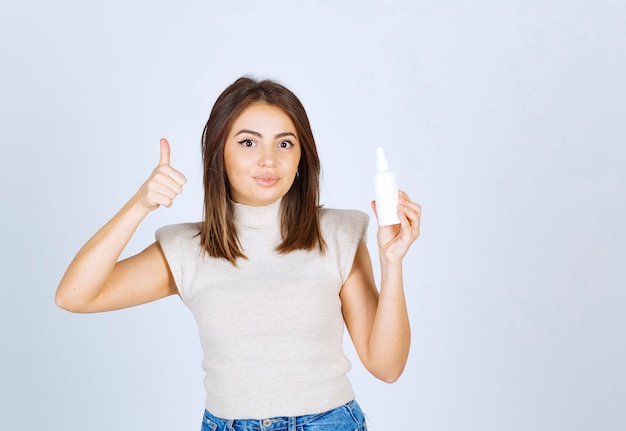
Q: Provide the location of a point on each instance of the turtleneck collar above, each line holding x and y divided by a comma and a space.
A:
257, 217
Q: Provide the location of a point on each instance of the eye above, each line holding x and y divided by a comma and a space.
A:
285, 144
247, 143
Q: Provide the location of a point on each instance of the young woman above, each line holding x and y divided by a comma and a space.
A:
270, 277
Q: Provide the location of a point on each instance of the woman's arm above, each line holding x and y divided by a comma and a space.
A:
378, 323
96, 281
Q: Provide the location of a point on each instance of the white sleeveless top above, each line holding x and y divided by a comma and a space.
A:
270, 328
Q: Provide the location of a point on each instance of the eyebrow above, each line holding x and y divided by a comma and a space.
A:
252, 132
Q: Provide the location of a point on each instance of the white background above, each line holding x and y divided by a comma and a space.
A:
504, 119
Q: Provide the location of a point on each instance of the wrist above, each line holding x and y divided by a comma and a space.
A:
389, 262
136, 207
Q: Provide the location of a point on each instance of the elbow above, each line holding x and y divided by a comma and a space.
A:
390, 377
63, 302
66, 302
389, 374
386, 367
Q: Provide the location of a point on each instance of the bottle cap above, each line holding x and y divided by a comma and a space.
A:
381, 160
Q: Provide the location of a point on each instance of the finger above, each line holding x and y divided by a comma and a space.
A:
411, 216
170, 178
178, 177
163, 201
167, 172
411, 210
165, 152
403, 197
412, 207
162, 195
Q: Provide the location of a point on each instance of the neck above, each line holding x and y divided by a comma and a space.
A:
256, 217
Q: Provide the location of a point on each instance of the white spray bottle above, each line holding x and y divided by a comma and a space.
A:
385, 191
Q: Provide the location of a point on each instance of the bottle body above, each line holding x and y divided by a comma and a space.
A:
386, 195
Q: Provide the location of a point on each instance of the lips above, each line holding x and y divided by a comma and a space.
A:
266, 180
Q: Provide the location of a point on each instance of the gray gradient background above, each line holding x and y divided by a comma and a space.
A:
505, 120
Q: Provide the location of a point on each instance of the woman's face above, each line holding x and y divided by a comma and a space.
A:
261, 155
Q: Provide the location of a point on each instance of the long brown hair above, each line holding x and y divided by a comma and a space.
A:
300, 223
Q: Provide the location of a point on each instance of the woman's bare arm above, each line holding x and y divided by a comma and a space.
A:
378, 323
96, 281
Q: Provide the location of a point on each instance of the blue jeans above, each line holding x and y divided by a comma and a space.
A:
348, 417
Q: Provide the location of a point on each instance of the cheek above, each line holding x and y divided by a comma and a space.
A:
233, 169
232, 176
295, 161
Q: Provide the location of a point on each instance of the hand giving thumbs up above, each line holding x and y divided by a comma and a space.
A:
164, 184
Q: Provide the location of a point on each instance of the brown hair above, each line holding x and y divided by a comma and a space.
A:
299, 207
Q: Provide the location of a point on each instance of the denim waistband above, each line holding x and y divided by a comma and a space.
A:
349, 414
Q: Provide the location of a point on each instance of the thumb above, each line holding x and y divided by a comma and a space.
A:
165, 152
373, 204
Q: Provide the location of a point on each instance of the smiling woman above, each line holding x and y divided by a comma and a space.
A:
270, 277
261, 155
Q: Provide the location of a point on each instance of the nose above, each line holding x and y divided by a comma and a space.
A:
267, 156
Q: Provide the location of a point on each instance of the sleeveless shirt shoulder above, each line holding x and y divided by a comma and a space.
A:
181, 245
343, 230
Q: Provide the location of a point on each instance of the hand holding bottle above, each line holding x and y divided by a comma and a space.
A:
163, 185
394, 240
398, 217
